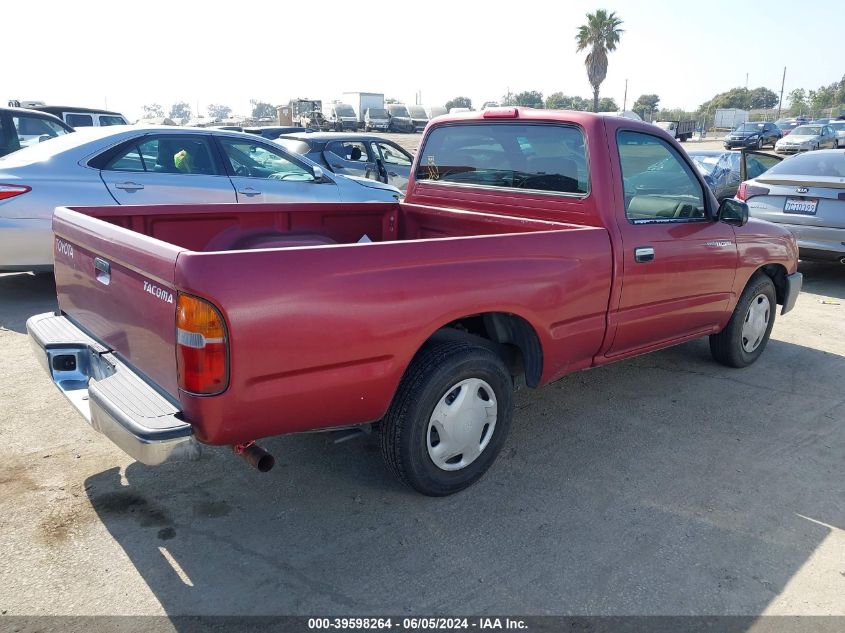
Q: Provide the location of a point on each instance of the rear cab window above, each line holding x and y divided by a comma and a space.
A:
537, 157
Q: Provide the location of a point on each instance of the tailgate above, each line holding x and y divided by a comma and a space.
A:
118, 286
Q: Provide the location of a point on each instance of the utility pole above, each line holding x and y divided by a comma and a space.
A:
747, 104
625, 98
782, 82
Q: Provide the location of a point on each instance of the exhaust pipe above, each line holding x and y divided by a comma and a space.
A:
255, 456
842, 260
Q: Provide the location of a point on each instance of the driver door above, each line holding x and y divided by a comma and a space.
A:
265, 173
678, 264
350, 158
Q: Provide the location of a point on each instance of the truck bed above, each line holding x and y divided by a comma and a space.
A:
312, 309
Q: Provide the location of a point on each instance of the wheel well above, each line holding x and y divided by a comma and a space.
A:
509, 335
777, 273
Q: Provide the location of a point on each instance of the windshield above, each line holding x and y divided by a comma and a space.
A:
418, 112
750, 127
344, 110
293, 145
397, 109
788, 125
812, 164
807, 130
706, 164
377, 113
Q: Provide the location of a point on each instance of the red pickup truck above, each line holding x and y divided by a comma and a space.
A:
531, 244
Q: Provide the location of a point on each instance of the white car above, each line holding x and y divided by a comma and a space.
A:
101, 166
805, 138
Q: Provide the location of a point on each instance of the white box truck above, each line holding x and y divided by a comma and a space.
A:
730, 118
363, 101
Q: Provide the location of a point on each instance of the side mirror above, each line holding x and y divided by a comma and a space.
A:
733, 212
319, 175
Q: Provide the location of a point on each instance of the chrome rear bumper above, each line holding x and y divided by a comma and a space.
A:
110, 395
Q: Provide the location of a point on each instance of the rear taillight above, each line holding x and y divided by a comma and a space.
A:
747, 191
202, 349
10, 191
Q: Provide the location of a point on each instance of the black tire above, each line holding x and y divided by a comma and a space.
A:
727, 347
760, 143
404, 432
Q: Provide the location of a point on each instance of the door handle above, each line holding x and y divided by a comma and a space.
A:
248, 191
644, 254
129, 186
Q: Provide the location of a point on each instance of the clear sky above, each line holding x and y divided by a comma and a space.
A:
127, 53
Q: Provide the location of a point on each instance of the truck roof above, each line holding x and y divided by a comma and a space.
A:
520, 113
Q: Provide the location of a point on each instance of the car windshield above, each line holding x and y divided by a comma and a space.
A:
749, 127
824, 163
788, 125
293, 145
398, 110
417, 112
344, 110
377, 113
706, 163
807, 130
45, 151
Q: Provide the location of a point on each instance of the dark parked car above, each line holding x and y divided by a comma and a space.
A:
350, 154
400, 118
754, 134
722, 171
275, 131
21, 127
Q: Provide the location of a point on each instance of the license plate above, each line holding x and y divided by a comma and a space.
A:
801, 206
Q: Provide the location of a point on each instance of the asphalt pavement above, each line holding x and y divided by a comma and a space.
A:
665, 484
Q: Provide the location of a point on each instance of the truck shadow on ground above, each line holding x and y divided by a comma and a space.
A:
662, 485
824, 279
22, 295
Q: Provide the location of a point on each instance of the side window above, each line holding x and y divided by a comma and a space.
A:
9, 141
79, 120
537, 157
349, 150
254, 160
758, 163
128, 160
167, 155
658, 183
32, 130
110, 119
393, 156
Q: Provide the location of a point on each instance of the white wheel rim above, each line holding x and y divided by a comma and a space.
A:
756, 323
462, 424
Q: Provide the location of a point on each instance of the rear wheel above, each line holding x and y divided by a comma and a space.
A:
449, 418
760, 143
747, 333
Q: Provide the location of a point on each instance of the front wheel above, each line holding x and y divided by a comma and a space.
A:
449, 418
747, 333
759, 143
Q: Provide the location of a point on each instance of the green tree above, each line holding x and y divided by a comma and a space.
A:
153, 111
762, 98
560, 101
217, 111
459, 102
797, 101
180, 110
645, 105
608, 104
262, 110
530, 98
600, 34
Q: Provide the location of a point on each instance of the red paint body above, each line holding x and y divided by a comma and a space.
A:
320, 335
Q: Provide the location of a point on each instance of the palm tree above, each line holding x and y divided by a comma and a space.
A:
601, 34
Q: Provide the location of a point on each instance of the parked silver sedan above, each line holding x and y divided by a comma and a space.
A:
152, 165
838, 128
806, 194
806, 138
